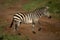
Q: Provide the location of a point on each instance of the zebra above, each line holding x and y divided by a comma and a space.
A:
30, 17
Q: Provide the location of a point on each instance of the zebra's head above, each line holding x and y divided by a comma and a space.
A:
45, 12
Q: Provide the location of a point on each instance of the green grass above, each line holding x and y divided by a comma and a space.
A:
32, 4
54, 8
12, 37
4, 36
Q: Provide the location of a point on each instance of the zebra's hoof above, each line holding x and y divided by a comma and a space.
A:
27, 39
34, 32
19, 33
39, 29
10, 27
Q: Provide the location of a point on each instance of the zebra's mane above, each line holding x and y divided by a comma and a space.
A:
41, 9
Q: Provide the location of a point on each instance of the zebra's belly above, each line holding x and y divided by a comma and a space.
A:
28, 21
31, 20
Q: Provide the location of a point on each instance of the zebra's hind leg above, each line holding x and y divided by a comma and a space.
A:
17, 27
33, 25
11, 24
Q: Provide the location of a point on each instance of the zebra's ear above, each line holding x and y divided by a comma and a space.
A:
47, 7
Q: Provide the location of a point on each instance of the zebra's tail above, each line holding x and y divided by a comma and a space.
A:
11, 24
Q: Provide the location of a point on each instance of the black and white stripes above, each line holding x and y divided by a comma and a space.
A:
18, 17
30, 17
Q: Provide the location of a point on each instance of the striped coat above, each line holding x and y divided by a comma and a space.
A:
30, 17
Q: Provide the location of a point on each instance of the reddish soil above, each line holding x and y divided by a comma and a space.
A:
50, 28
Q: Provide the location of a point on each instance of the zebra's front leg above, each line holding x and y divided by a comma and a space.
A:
33, 26
39, 28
